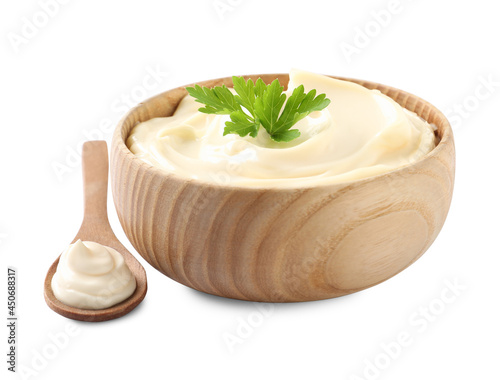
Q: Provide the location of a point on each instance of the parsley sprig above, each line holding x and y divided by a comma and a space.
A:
257, 104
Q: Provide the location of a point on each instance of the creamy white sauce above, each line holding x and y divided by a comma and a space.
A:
92, 276
361, 133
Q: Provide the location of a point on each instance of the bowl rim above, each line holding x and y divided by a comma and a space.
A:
445, 138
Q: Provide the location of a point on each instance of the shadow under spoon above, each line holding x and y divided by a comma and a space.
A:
95, 227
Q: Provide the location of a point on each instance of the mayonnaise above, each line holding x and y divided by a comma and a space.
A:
361, 133
92, 276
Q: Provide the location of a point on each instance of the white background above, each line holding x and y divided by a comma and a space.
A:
67, 81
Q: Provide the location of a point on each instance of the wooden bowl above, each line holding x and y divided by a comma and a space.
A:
282, 245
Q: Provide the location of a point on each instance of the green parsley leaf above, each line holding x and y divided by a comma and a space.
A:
268, 106
217, 100
263, 105
246, 93
260, 88
286, 135
241, 125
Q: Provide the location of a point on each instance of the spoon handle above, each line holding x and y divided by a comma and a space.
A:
95, 180
95, 227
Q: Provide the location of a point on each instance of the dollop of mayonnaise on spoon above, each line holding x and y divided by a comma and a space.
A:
92, 276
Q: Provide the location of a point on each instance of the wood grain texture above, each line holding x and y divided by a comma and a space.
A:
95, 227
333, 239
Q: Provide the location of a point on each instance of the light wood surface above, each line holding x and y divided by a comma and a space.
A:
331, 240
95, 227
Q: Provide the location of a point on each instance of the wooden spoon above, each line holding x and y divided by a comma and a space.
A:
95, 227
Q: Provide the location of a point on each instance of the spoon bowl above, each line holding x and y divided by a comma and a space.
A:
95, 227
